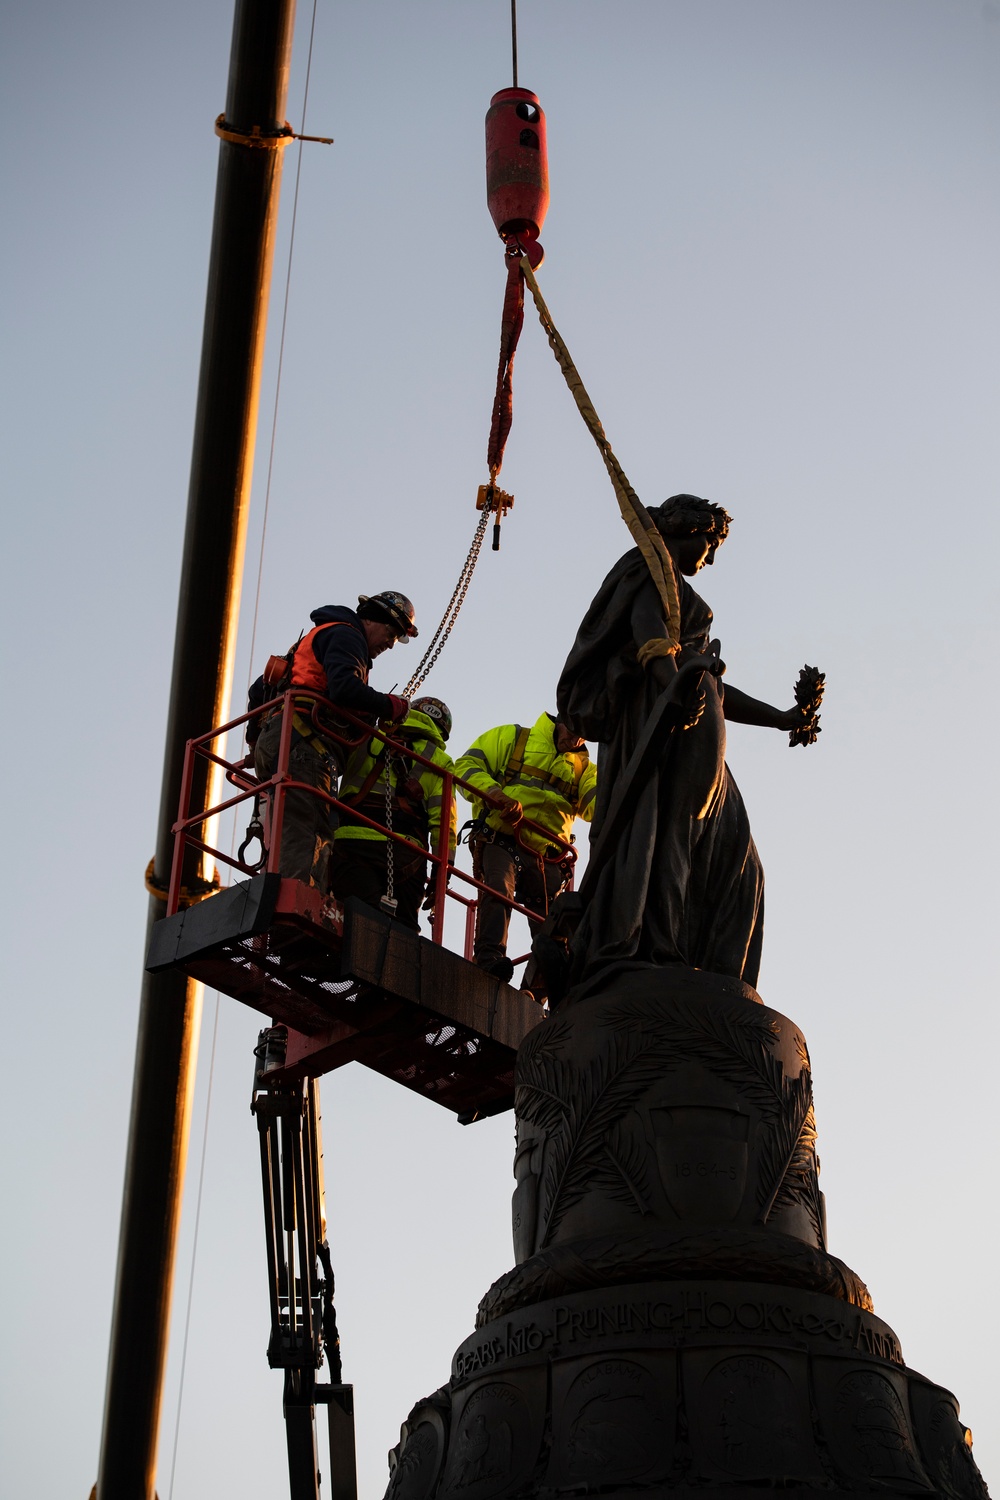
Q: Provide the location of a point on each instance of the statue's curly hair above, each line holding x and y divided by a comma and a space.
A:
689, 515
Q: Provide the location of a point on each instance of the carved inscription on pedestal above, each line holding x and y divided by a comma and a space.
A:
702, 1156
674, 1323
674, 1317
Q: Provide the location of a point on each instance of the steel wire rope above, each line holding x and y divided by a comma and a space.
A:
232, 842
513, 39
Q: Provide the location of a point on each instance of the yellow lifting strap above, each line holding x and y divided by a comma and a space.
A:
634, 513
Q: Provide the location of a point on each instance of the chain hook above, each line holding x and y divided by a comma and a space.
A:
255, 834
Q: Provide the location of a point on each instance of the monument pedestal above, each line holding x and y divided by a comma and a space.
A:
674, 1324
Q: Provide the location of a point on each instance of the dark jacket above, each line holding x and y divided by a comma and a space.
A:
346, 661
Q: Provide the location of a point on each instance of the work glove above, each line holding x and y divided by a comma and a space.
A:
509, 808
400, 707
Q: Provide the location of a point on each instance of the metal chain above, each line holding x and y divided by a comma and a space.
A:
450, 615
427, 661
389, 899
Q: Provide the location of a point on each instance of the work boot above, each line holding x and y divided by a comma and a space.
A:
500, 967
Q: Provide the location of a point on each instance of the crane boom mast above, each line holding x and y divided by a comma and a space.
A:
246, 207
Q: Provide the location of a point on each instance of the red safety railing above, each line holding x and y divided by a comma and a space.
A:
345, 730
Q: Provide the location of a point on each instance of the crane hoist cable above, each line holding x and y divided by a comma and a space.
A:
517, 192
517, 195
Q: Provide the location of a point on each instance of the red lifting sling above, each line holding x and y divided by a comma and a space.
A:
517, 193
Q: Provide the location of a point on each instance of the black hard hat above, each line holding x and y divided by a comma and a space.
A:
394, 607
436, 710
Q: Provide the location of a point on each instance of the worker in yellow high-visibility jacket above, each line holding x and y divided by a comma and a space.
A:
360, 864
543, 773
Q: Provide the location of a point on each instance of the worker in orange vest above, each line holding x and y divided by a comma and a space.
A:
334, 659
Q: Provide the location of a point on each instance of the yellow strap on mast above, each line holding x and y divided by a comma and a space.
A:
634, 513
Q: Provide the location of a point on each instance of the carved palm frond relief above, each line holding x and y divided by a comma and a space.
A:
800, 1181
785, 1102
545, 1041
782, 1142
578, 1155
582, 1110
627, 1174
737, 1050
544, 1091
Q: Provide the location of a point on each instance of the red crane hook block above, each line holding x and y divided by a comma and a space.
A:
517, 168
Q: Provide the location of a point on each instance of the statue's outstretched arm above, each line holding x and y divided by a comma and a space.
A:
740, 708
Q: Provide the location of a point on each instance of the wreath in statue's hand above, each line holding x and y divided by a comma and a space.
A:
808, 697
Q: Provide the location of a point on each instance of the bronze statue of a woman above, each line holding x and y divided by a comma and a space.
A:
674, 1323
683, 881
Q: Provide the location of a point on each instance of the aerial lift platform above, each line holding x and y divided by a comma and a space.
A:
352, 985
348, 982
339, 982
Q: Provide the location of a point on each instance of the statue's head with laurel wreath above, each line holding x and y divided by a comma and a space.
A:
693, 529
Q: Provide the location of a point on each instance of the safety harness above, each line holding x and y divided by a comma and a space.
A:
409, 794
515, 769
409, 801
278, 674
481, 831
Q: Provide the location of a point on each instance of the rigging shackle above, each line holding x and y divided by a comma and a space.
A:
517, 168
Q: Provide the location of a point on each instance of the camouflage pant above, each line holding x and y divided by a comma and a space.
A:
308, 823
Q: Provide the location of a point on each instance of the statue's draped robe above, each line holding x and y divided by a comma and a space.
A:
685, 883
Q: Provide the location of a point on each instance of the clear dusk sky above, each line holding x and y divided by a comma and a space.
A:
773, 249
